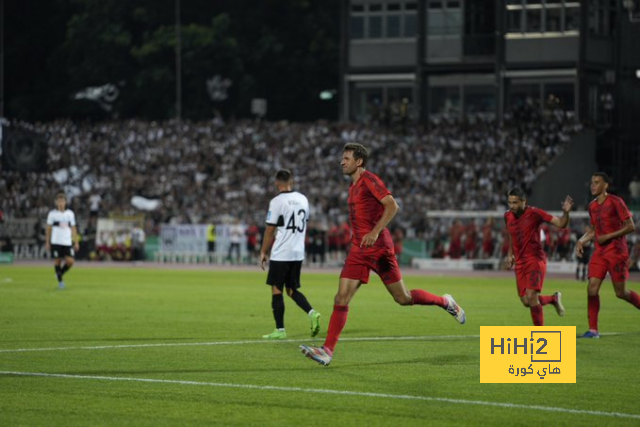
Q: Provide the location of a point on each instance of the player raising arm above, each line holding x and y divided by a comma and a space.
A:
526, 253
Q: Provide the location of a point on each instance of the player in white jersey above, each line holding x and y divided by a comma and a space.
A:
62, 237
286, 228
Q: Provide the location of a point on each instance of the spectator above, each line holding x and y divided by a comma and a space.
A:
634, 190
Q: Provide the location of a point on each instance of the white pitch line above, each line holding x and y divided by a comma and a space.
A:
108, 347
187, 344
336, 392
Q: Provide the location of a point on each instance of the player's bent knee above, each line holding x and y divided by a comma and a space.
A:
403, 299
621, 294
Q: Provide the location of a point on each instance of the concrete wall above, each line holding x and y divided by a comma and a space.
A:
569, 174
542, 50
382, 54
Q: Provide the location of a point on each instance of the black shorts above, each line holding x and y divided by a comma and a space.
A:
284, 273
61, 251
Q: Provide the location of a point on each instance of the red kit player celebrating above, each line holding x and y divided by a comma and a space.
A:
371, 208
611, 221
525, 251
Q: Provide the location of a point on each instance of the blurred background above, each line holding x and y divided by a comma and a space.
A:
165, 121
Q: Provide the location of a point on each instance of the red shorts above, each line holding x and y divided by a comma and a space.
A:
361, 261
530, 275
617, 265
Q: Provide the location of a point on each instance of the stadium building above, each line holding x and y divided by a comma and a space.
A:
407, 60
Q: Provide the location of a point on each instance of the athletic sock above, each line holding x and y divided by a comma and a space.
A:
420, 297
58, 273
336, 325
277, 305
546, 299
301, 300
593, 303
64, 269
634, 299
537, 315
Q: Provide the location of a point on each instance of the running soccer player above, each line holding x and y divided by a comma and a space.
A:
62, 237
371, 208
611, 221
286, 227
525, 251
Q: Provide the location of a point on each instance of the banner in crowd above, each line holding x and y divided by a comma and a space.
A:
183, 238
193, 239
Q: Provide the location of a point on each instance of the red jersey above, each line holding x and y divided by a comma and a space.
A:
525, 233
607, 218
365, 209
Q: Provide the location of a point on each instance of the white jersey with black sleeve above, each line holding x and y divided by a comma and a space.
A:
61, 223
289, 212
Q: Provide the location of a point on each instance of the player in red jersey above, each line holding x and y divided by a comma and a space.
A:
525, 251
371, 208
611, 221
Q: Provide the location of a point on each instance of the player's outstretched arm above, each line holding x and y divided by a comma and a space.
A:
563, 221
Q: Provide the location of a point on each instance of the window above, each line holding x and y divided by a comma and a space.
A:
542, 96
554, 20
559, 96
379, 20
357, 27
368, 104
393, 26
410, 25
533, 21
514, 21
572, 18
479, 99
444, 18
545, 16
382, 103
524, 96
445, 100
375, 27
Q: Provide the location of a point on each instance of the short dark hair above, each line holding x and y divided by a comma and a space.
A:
605, 177
61, 195
284, 175
359, 151
518, 192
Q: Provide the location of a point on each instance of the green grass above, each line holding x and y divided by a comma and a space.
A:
121, 310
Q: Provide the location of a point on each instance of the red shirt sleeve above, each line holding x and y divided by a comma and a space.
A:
375, 186
546, 217
622, 210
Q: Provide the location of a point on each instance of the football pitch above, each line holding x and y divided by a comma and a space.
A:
145, 346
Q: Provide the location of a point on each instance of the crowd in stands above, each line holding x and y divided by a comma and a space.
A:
211, 172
